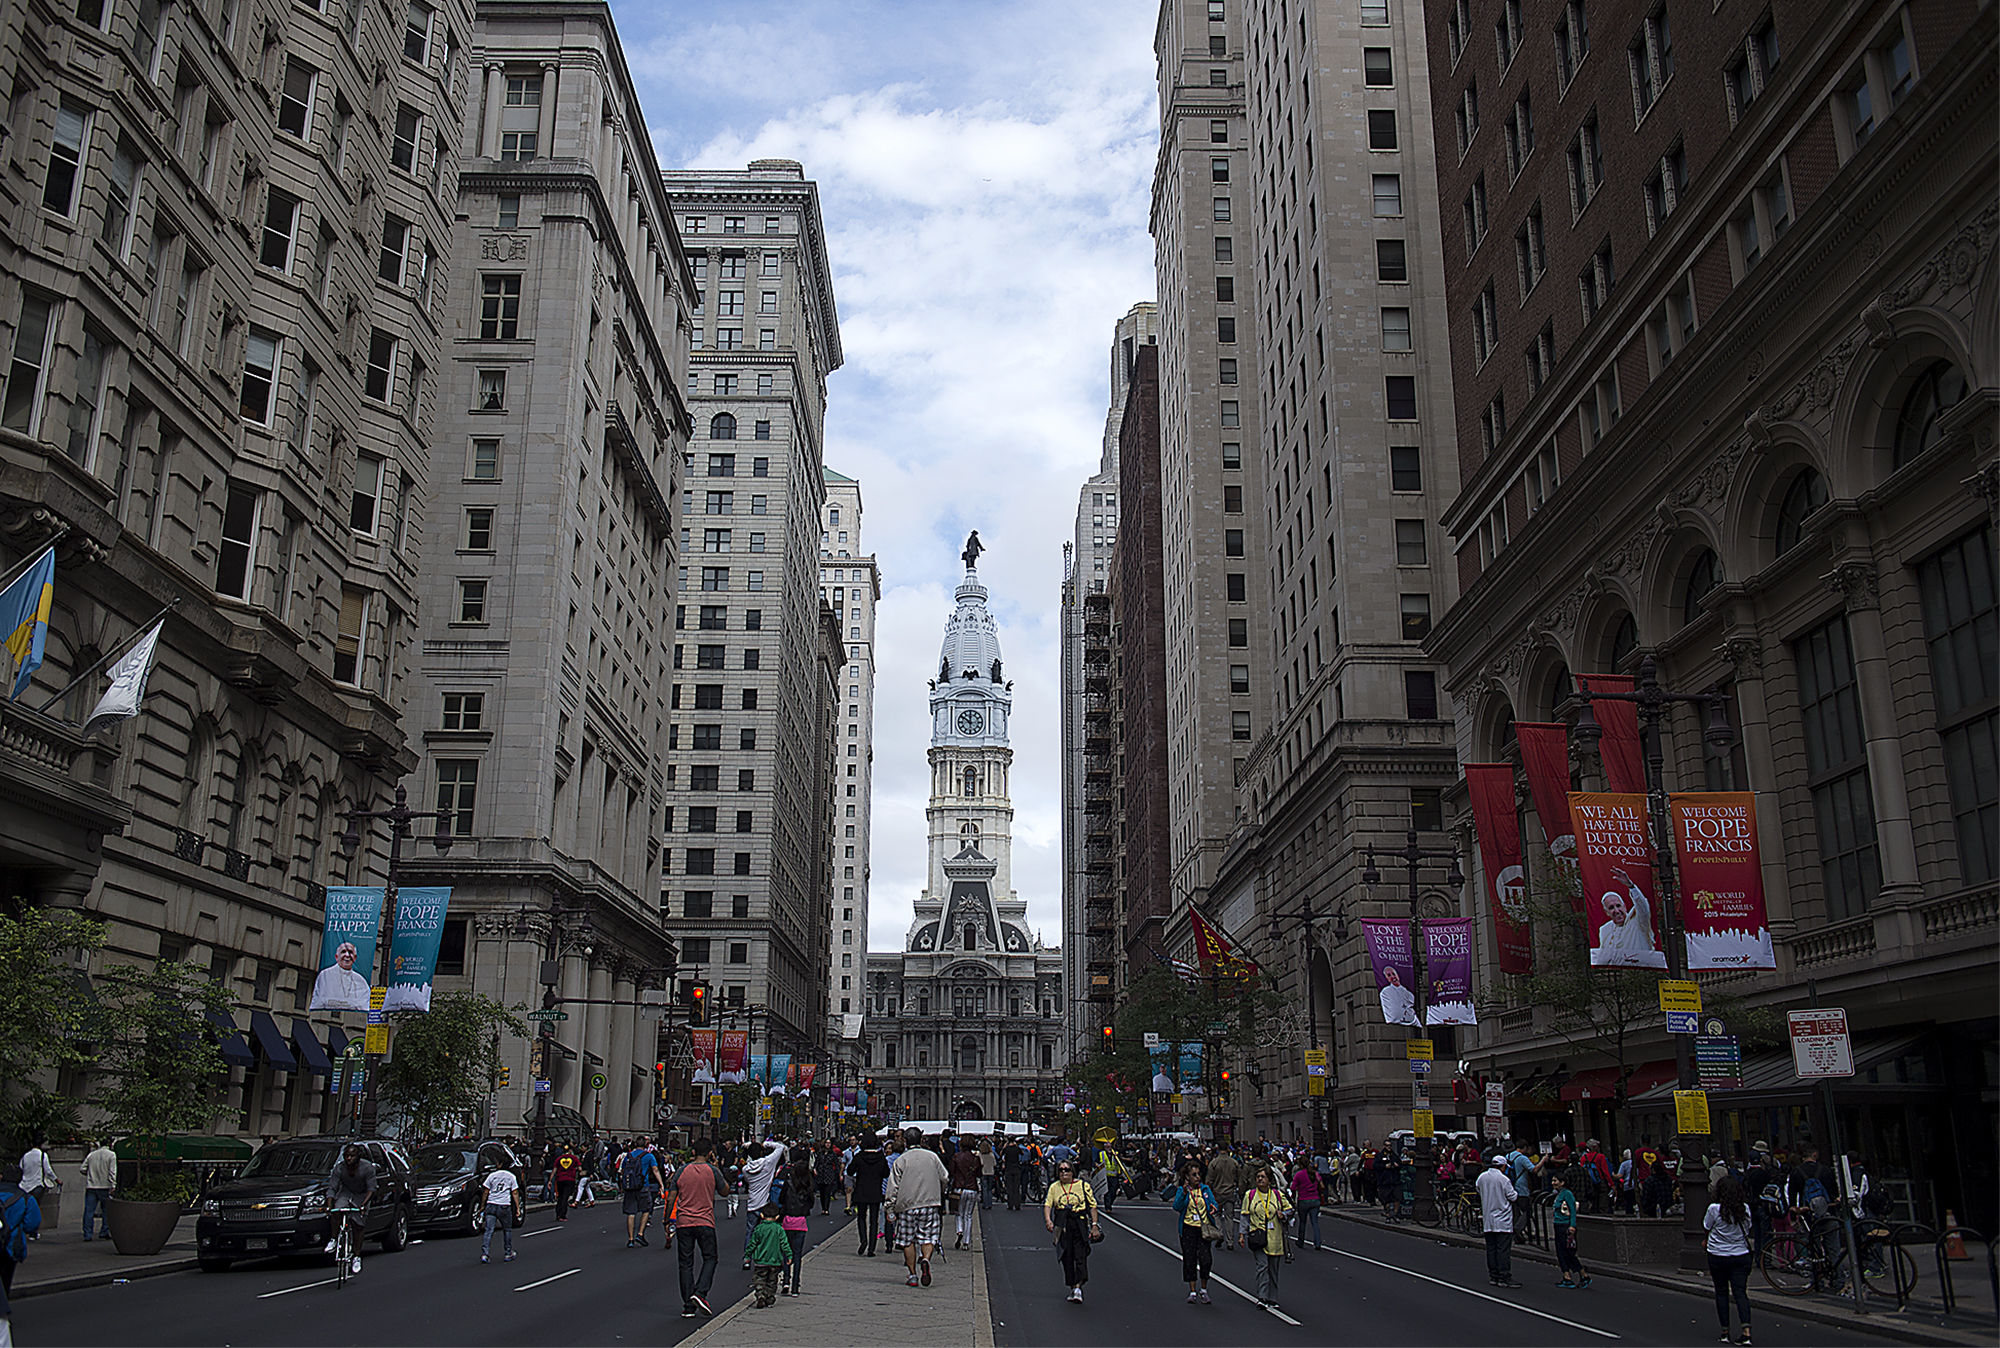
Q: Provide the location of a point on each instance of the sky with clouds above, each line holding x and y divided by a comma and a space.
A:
984, 170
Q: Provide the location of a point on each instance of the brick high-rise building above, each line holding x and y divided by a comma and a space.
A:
1725, 347
748, 881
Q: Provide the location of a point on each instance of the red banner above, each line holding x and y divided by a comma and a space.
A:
1624, 769
1614, 858
1722, 882
704, 1056
1545, 755
806, 1071
1215, 950
1499, 826
735, 1053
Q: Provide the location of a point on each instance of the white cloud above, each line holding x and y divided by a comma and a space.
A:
985, 194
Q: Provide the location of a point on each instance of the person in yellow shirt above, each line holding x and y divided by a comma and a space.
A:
1069, 1209
1264, 1210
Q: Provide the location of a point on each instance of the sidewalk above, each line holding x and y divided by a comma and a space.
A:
1923, 1322
849, 1302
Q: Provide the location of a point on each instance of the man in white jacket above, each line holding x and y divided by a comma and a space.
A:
758, 1173
916, 1196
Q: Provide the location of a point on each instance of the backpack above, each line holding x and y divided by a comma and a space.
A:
1878, 1202
1816, 1195
14, 1227
632, 1170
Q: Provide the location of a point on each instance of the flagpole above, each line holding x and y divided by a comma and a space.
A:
22, 568
113, 654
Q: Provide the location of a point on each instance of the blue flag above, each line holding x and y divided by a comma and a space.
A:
24, 617
413, 950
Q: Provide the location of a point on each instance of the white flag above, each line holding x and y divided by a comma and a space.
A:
128, 680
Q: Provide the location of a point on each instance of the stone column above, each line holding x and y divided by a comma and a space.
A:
575, 983
1746, 658
626, 1049
545, 136
1857, 584
597, 1034
496, 98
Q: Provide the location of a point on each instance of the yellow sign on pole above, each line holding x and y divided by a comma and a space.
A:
1315, 1057
1680, 994
375, 996
376, 1040
1315, 1085
1175, 1099
1418, 1048
715, 1105
1691, 1112
1422, 1123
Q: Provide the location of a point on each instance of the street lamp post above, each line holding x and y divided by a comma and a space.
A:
1652, 700
545, 1027
400, 818
1413, 857
1315, 1105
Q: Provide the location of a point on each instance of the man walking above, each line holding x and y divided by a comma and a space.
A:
38, 1176
916, 1196
1496, 1210
100, 1178
639, 1179
567, 1170
1011, 1161
696, 1186
758, 1174
1225, 1177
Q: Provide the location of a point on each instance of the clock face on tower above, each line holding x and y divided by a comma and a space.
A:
971, 722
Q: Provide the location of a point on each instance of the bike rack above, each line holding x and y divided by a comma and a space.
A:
1947, 1293
1906, 1233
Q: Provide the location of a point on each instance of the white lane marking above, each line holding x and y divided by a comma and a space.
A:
1498, 1301
302, 1287
523, 1235
546, 1281
1220, 1282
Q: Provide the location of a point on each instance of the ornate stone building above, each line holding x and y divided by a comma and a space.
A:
963, 1022
1763, 454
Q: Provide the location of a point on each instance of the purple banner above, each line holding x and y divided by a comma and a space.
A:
1395, 977
1448, 967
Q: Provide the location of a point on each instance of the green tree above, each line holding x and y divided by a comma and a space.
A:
156, 1064
445, 1062
47, 1018
1119, 1074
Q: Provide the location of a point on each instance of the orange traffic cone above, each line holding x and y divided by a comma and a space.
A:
1954, 1244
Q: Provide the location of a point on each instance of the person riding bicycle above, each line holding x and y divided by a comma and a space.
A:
349, 1188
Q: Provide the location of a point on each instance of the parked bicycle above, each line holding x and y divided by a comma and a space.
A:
1814, 1259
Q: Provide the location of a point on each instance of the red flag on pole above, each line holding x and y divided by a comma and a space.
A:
1624, 769
1215, 950
1492, 789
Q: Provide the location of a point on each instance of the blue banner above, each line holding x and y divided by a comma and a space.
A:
413, 950
767, 1068
347, 948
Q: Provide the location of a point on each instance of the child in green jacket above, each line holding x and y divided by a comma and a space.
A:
770, 1251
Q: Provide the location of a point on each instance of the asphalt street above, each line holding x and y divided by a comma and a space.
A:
1367, 1287
574, 1283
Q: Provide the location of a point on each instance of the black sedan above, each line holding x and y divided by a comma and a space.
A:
450, 1183
278, 1203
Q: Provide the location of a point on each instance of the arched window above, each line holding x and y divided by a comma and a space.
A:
1806, 494
1624, 640
722, 426
1937, 391
971, 937
972, 781
1561, 687
1705, 576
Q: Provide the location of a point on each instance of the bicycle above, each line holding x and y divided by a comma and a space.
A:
346, 1237
1815, 1260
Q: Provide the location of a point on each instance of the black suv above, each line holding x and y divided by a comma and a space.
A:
277, 1204
450, 1182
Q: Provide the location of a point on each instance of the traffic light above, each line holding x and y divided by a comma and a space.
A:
1222, 1093
1110, 1044
505, 1074
698, 1007
661, 1068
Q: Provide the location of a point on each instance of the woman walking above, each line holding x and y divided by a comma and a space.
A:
1563, 1213
1195, 1202
1728, 1224
1069, 1209
1264, 1210
794, 1208
1305, 1188
965, 1166
870, 1169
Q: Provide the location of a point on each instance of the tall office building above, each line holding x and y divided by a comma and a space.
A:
1341, 736
226, 323
549, 554
851, 586
1087, 741
962, 1021
1748, 363
747, 772
1211, 430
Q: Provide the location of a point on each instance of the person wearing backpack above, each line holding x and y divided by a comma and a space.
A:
20, 1219
638, 1176
1810, 1189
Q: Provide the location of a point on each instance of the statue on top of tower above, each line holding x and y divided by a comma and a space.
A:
973, 547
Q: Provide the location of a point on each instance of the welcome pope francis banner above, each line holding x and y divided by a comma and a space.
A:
1722, 883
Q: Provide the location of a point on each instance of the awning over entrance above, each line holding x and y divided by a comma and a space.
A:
276, 1052
230, 1040
310, 1052
1771, 1072
1601, 1083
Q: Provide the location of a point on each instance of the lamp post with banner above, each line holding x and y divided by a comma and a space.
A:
543, 1051
401, 820
1315, 1100
1413, 857
1652, 701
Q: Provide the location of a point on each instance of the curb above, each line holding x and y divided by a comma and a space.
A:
77, 1281
1802, 1310
709, 1330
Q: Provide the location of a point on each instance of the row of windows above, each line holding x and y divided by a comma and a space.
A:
731, 266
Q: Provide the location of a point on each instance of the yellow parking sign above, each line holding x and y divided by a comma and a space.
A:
1691, 1112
